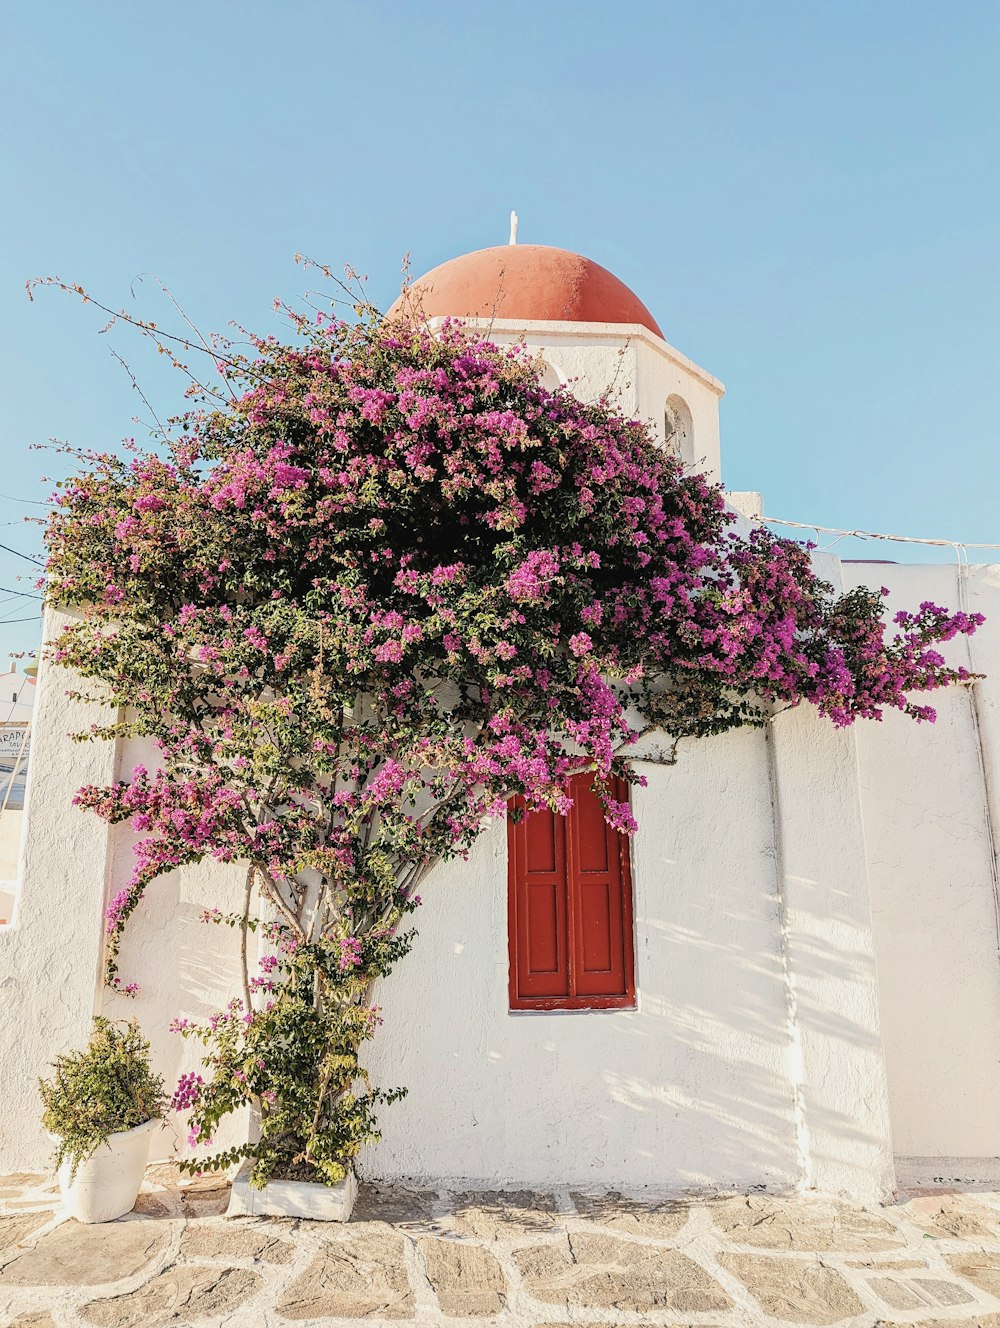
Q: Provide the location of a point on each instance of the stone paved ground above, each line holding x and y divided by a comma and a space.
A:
514, 1260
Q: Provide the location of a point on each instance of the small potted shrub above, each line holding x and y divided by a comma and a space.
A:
101, 1106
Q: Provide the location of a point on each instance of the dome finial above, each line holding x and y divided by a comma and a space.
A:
513, 228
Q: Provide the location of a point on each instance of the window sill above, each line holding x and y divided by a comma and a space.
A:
573, 1004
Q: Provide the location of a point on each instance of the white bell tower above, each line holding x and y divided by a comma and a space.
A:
592, 331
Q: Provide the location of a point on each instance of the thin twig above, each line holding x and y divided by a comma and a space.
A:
135, 384
119, 315
195, 329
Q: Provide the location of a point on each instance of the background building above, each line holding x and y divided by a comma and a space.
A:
17, 699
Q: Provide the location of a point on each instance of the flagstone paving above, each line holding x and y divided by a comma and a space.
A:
510, 1260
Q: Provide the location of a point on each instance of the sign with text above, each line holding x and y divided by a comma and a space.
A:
15, 747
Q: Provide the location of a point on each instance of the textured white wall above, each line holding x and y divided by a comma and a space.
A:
185, 968
50, 954
932, 869
837, 1067
717, 1078
51, 957
663, 372
690, 1089
755, 1054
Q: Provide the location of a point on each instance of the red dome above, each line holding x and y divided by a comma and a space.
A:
525, 282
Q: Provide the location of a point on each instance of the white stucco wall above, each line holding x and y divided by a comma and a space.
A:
933, 876
733, 1071
51, 955
666, 1095
755, 1054
837, 1067
185, 968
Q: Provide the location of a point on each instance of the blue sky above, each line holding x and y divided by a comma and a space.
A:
804, 194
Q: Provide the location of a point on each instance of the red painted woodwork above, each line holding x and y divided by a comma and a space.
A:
570, 908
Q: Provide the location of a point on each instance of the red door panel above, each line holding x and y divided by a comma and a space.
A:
543, 916
537, 847
570, 907
590, 830
594, 924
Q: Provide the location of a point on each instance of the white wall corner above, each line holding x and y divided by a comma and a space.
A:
836, 1058
50, 957
930, 801
978, 591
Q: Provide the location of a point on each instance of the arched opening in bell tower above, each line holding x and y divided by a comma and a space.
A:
678, 429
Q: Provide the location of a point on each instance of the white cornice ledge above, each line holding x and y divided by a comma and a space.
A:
596, 331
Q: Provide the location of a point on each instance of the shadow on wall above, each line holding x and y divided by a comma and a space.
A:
698, 1087
727, 1096
185, 968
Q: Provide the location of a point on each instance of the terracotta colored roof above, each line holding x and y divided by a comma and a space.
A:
525, 282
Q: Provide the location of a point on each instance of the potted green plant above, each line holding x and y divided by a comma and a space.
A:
101, 1106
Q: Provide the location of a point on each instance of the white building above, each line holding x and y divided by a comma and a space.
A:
17, 699
805, 983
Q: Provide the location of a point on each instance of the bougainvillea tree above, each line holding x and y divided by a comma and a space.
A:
389, 582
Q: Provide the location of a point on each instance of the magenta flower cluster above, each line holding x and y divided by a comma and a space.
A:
187, 1092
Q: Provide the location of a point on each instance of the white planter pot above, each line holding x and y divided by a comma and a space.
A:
292, 1198
106, 1185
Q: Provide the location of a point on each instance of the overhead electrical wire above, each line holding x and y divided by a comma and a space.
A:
18, 554
871, 534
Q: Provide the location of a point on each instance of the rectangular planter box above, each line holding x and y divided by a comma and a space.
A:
292, 1198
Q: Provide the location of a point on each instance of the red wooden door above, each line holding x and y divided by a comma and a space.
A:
570, 908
